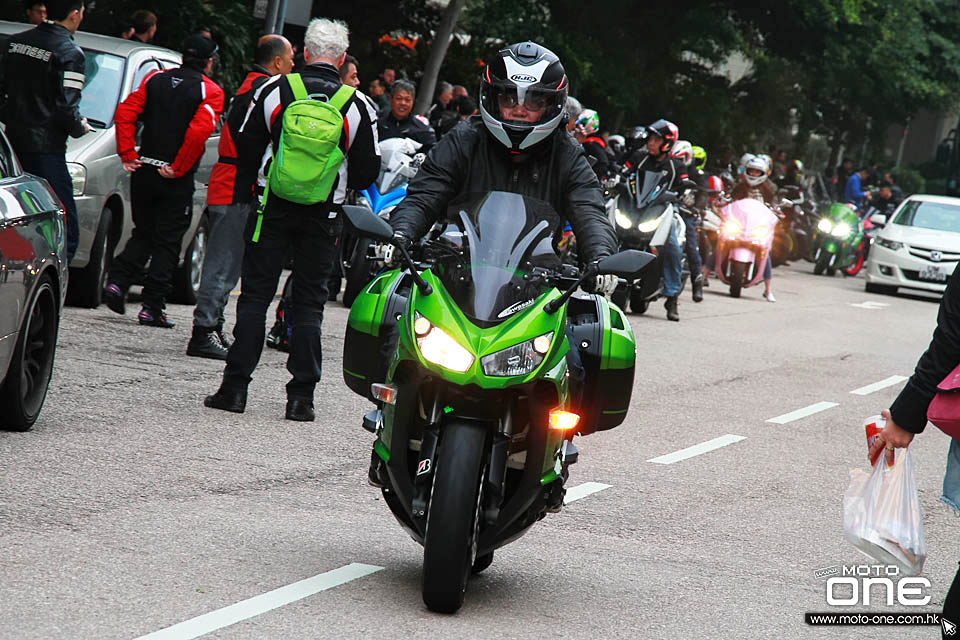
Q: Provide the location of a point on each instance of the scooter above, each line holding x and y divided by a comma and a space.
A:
643, 212
468, 359
399, 162
744, 243
839, 241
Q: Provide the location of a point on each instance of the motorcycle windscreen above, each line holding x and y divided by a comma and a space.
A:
650, 184
495, 240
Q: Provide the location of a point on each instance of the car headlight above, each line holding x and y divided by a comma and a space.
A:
731, 228
518, 360
893, 245
78, 174
760, 234
650, 225
842, 230
622, 220
825, 225
438, 347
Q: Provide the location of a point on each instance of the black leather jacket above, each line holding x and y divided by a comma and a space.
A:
43, 74
468, 160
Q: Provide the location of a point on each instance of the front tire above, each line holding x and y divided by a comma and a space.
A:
25, 387
450, 543
822, 262
738, 271
85, 288
638, 304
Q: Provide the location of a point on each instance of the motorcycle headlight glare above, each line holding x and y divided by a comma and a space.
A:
78, 175
731, 228
518, 360
893, 245
842, 230
438, 347
825, 225
622, 220
650, 225
760, 234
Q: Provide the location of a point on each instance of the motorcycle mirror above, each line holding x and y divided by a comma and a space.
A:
627, 264
366, 223
689, 184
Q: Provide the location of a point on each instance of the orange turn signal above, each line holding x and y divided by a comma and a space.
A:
384, 393
560, 419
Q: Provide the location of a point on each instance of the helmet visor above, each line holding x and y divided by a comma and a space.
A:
510, 103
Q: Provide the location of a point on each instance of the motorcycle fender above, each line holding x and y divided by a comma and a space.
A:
830, 247
663, 231
742, 254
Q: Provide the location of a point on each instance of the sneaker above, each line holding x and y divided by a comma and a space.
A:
204, 343
153, 318
769, 296
115, 298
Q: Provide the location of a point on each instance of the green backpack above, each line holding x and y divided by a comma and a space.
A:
308, 158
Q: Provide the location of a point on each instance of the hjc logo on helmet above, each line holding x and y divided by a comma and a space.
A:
523, 78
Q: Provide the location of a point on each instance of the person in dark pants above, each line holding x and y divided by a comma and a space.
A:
43, 74
179, 110
310, 232
229, 201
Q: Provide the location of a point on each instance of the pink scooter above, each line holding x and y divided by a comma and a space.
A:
745, 238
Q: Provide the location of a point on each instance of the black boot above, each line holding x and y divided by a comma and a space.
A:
698, 288
373, 475
300, 410
204, 343
224, 340
671, 306
154, 318
227, 400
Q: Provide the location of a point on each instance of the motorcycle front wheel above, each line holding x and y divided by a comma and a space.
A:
822, 262
450, 543
738, 272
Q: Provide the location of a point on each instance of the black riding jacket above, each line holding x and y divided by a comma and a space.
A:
469, 160
43, 74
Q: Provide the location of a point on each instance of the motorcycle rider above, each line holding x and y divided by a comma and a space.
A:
754, 183
683, 151
401, 122
661, 136
585, 131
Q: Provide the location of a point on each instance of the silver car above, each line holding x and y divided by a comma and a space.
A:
115, 67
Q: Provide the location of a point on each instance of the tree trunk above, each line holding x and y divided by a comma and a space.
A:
438, 51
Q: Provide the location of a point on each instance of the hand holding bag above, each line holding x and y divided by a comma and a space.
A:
944, 410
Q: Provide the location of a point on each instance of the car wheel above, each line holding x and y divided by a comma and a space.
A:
186, 283
25, 388
85, 288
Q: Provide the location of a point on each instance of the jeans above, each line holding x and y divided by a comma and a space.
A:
692, 248
53, 168
312, 236
162, 211
221, 265
672, 265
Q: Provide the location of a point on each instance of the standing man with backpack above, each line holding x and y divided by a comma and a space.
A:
324, 141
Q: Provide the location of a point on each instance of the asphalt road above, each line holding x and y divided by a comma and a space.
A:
131, 508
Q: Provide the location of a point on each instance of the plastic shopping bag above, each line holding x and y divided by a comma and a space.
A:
881, 514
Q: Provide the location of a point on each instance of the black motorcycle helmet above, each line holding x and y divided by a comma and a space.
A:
666, 130
526, 74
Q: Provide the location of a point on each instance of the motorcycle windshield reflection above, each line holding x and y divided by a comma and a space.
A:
493, 241
650, 184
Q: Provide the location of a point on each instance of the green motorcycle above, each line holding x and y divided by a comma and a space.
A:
839, 241
479, 392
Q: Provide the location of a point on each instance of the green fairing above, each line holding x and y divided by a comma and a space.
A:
844, 248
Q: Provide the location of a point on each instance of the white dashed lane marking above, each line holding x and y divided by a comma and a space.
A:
697, 449
246, 609
877, 386
803, 413
583, 490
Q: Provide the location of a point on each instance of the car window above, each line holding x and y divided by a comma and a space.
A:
145, 68
98, 101
929, 215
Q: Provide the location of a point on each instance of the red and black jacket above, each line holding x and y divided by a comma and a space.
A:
179, 110
233, 177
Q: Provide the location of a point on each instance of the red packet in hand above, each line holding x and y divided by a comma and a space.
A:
874, 425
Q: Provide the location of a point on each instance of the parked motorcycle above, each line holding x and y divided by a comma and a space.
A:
399, 162
744, 243
838, 243
468, 359
643, 211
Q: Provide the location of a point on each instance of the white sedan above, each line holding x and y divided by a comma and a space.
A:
918, 248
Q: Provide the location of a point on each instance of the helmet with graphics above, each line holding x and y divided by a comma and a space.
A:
683, 151
588, 122
523, 91
699, 157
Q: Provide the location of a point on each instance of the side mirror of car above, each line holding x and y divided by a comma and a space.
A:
366, 223
879, 219
626, 264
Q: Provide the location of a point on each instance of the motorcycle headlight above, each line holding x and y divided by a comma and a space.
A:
731, 228
438, 347
825, 225
760, 234
622, 220
78, 175
650, 225
518, 360
893, 245
842, 230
